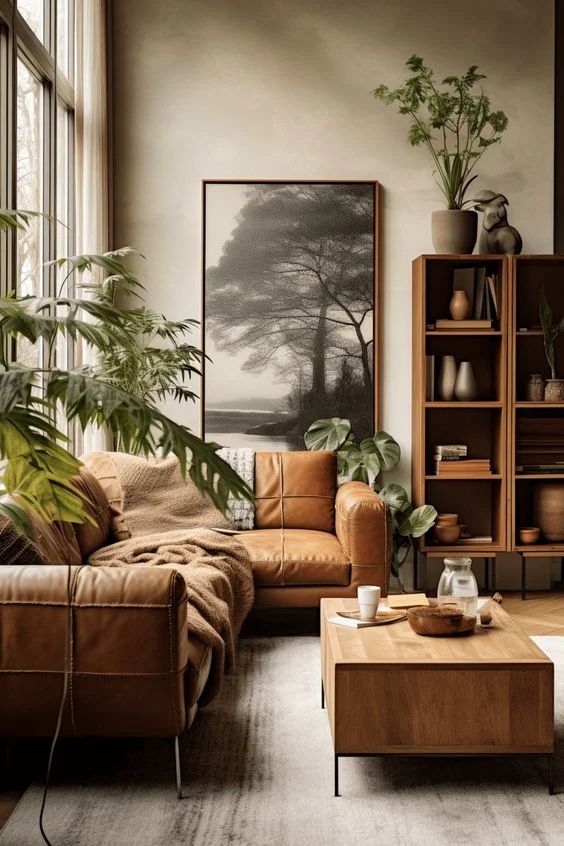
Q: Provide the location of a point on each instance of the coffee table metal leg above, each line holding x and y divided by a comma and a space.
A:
550, 767
337, 776
322, 695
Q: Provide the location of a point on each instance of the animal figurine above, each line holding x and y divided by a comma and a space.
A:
497, 236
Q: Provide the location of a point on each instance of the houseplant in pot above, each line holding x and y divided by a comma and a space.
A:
456, 123
554, 390
363, 461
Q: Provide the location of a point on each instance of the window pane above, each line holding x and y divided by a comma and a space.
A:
32, 12
29, 191
63, 11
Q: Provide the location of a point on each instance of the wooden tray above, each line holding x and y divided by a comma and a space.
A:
381, 618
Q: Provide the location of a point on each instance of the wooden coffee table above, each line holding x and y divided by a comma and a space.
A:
391, 692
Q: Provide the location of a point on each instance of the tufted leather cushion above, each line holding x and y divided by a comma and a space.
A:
296, 557
295, 490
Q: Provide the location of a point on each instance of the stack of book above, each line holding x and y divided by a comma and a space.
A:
481, 290
451, 460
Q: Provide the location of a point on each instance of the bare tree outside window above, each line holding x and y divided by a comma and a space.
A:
289, 309
32, 12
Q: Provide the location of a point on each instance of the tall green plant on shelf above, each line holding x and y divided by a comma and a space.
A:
455, 124
38, 466
363, 461
551, 329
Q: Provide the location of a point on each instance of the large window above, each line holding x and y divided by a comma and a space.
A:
36, 144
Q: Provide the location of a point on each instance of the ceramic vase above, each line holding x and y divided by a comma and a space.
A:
447, 378
466, 387
554, 390
459, 306
549, 510
454, 231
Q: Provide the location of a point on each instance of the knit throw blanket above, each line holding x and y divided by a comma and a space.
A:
218, 580
243, 462
164, 516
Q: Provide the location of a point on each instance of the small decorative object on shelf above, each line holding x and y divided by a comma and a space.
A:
497, 236
529, 534
458, 584
535, 388
549, 510
447, 378
554, 391
459, 305
466, 387
445, 535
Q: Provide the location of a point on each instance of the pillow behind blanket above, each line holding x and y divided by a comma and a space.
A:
150, 495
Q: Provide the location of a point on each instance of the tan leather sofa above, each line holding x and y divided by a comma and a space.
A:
134, 670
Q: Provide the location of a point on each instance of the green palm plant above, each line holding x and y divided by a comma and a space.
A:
38, 466
456, 124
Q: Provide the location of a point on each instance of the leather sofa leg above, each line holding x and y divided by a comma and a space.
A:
177, 767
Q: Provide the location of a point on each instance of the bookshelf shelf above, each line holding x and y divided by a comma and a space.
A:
480, 424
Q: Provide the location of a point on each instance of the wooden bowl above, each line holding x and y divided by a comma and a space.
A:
447, 520
529, 534
440, 621
447, 534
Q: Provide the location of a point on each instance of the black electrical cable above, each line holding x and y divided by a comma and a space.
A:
71, 593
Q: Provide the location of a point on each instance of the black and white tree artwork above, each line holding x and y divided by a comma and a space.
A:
289, 291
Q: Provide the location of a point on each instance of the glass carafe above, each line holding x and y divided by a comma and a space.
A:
458, 585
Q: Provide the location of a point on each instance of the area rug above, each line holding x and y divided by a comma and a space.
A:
258, 771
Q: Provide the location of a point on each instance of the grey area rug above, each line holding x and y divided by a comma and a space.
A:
258, 770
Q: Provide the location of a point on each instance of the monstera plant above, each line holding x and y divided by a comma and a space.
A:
363, 461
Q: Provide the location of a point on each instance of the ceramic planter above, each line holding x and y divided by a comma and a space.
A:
554, 390
454, 231
549, 510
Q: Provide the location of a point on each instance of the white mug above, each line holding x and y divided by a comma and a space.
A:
368, 600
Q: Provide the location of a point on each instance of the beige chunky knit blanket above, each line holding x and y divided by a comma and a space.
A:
163, 517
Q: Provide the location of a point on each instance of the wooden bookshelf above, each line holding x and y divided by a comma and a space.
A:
528, 419
481, 501
501, 423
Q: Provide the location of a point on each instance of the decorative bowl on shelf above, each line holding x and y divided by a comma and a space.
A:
446, 520
529, 534
447, 534
440, 621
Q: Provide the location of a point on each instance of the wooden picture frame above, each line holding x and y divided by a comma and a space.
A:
249, 255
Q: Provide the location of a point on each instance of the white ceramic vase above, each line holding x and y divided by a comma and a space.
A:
447, 378
466, 387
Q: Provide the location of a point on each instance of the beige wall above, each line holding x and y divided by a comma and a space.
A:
280, 89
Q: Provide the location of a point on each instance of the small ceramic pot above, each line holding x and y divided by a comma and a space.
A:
554, 390
454, 231
535, 388
446, 520
447, 534
529, 534
459, 306
466, 387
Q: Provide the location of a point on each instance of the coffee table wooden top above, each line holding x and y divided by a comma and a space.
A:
502, 643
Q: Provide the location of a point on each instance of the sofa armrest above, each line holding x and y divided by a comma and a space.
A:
128, 651
364, 529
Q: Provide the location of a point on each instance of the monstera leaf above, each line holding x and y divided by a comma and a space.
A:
395, 497
418, 522
327, 434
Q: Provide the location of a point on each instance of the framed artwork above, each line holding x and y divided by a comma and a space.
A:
290, 309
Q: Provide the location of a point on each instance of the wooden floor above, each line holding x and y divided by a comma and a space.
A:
541, 614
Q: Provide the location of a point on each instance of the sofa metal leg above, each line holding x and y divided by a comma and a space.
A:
322, 695
177, 767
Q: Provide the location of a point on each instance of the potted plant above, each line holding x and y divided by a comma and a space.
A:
454, 120
363, 461
554, 389
36, 464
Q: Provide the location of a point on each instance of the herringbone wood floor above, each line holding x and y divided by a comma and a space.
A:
541, 614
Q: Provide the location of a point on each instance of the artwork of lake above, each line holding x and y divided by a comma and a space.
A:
289, 293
